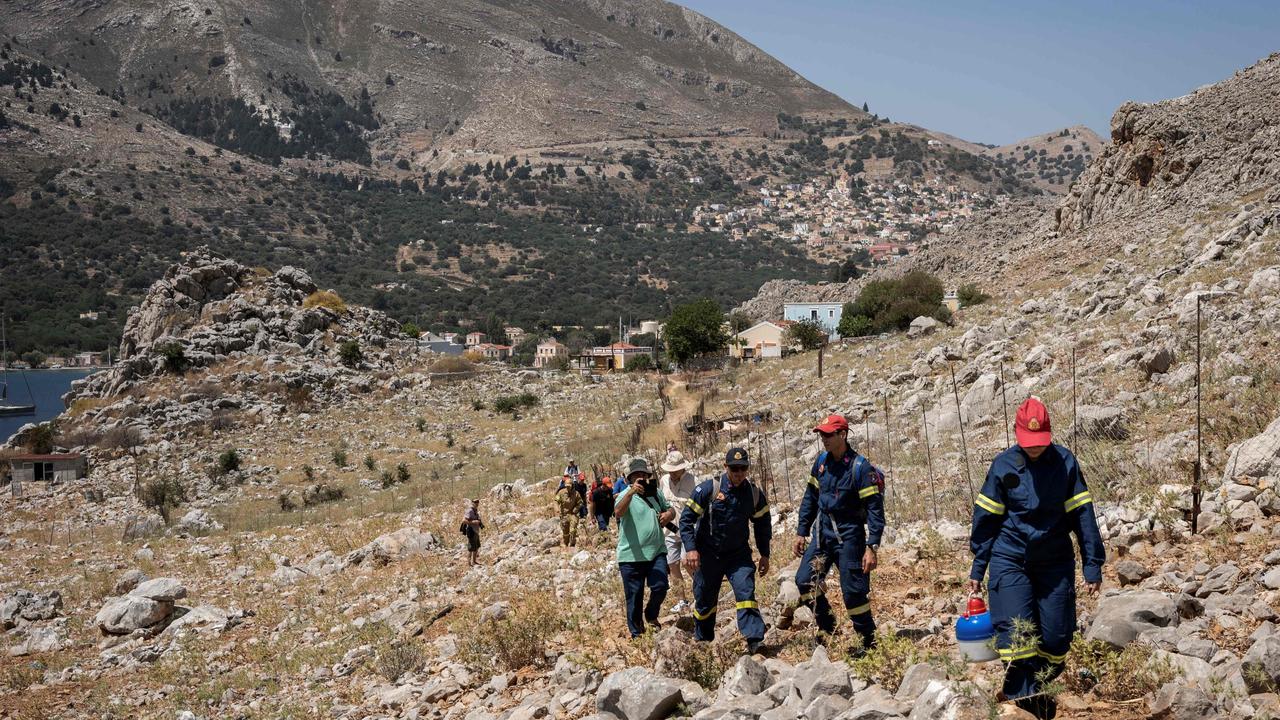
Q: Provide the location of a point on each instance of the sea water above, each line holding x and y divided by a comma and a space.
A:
47, 389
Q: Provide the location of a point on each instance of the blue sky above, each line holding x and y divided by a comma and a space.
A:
1000, 71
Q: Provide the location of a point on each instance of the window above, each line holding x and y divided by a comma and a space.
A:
813, 314
831, 313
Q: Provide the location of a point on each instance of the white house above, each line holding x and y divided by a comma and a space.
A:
547, 352
475, 338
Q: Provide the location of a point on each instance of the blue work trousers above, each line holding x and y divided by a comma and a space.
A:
602, 522
740, 570
855, 585
1044, 597
635, 575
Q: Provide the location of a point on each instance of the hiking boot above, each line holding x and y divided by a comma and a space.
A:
753, 646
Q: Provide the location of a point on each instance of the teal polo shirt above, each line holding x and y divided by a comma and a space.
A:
639, 534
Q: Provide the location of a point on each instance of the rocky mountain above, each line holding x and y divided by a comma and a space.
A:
431, 78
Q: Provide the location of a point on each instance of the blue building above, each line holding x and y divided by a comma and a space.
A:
826, 314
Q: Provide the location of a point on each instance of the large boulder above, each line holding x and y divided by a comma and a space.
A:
923, 325
1255, 458
747, 677
1120, 618
638, 694
129, 613
394, 546
164, 589
1261, 668
1101, 423
819, 676
1178, 702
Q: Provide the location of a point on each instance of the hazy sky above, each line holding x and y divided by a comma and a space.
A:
1000, 71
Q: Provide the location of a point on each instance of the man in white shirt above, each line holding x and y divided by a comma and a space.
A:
676, 485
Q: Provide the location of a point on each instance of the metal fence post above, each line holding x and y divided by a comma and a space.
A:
964, 446
1004, 405
928, 455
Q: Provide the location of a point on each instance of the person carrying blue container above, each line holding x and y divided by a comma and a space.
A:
844, 508
715, 529
1033, 500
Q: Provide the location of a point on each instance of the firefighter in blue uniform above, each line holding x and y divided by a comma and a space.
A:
844, 507
1033, 500
715, 530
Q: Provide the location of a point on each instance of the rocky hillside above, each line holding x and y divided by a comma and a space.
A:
449, 77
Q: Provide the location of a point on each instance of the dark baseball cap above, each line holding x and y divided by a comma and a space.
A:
736, 457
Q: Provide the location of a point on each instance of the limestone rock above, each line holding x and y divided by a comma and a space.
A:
164, 589
24, 606
127, 613
1261, 665
638, 694
1119, 618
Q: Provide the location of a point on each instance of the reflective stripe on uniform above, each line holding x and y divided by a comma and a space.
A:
761, 512
703, 616
1011, 654
867, 492
860, 610
1083, 498
1057, 659
807, 597
989, 505
747, 605
814, 482
695, 507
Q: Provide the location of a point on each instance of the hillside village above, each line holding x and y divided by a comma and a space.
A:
834, 218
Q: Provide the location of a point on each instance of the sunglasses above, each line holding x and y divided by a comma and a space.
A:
828, 434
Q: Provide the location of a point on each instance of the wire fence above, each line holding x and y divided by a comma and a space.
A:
934, 446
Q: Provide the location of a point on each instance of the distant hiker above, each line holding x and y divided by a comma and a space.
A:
1033, 500
844, 507
715, 527
601, 498
571, 470
471, 527
671, 446
620, 485
676, 484
642, 559
568, 501
580, 487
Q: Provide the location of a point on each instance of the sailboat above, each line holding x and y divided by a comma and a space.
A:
7, 407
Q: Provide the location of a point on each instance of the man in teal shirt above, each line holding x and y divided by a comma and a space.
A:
642, 553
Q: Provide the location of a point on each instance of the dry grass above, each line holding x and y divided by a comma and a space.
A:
325, 299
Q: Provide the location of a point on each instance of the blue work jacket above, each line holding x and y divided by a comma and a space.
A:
718, 518
1028, 510
844, 491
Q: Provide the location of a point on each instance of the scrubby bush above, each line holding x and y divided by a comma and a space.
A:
121, 437
516, 641
325, 299
640, 363
174, 357
161, 494
513, 403
889, 305
349, 353
369, 462
339, 457
808, 334
228, 461
452, 364
970, 294
322, 493
398, 657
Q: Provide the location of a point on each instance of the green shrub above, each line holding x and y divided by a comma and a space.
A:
369, 462
349, 353
411, 330
228, 461
174, 357
339, 457
640, 363
516, 641
161, 494
969, 294
402, 473
808, 334
891, 305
